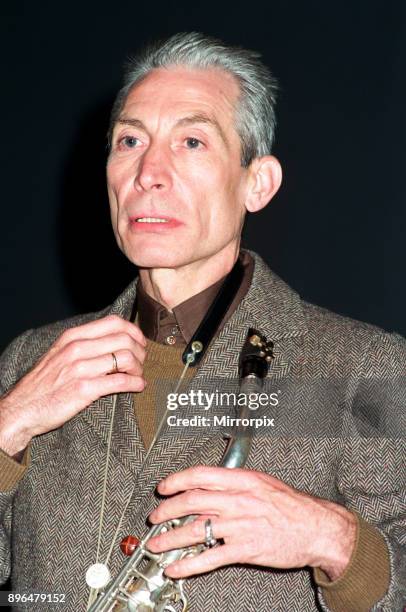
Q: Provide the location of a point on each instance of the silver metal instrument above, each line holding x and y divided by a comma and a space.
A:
141, 585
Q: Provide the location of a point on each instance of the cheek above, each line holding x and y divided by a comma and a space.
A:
118, 182
115, 186
217, 196
228, 205
112, 196
113, 207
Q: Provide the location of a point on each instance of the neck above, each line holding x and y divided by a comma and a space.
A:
172, 286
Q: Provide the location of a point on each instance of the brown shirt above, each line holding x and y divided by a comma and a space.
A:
177, 327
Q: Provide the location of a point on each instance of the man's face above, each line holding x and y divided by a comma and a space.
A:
175, 182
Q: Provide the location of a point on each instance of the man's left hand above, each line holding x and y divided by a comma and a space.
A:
261, 520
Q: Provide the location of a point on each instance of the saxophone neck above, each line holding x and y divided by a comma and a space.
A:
237, 452
255, 358
240, 440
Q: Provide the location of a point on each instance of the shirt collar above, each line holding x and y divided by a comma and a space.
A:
177, 327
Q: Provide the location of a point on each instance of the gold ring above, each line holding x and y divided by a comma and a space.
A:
115, 365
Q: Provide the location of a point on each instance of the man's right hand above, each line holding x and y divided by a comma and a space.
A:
76, 370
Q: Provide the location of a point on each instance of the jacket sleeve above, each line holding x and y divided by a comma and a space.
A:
372, 481
11, 471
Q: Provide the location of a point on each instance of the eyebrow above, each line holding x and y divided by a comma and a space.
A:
203, 118
188, 120
133, 122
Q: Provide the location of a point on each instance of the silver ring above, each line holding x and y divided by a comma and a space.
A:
210, 540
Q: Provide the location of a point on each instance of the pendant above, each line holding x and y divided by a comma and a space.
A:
97, 576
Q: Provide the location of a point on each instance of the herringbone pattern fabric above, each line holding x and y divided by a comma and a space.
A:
53, 514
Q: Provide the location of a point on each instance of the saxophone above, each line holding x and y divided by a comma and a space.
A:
141, 585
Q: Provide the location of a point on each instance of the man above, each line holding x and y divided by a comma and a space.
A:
311, 522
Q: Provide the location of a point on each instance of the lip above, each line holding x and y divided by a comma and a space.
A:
171, 223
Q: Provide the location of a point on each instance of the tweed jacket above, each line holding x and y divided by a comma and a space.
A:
49, 521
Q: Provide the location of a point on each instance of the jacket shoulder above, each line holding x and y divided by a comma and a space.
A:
326, 320
378, 349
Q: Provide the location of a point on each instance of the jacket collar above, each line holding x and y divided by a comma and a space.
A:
274, 306
270, 304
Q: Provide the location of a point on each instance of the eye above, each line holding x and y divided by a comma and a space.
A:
193, 143
130, 142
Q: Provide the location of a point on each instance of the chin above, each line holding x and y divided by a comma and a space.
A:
156, 257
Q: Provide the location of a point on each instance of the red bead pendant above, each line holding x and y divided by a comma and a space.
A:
129, 544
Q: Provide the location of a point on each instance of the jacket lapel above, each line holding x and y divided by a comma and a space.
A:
126, 446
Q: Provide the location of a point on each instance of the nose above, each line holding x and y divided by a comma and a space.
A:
153, 170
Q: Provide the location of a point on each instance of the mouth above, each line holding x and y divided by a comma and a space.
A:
146, 223
150, 220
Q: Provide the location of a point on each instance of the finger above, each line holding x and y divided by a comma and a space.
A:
102, 327
200, 502
205, 562
194, 533
112, 343
107, 385
125, 361
104, 364
216, 479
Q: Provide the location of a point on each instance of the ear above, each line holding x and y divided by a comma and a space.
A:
265, 177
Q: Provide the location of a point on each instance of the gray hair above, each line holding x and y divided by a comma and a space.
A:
255, 113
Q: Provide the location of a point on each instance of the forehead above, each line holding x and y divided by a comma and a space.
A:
174, 91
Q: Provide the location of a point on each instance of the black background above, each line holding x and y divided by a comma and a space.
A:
335, 232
